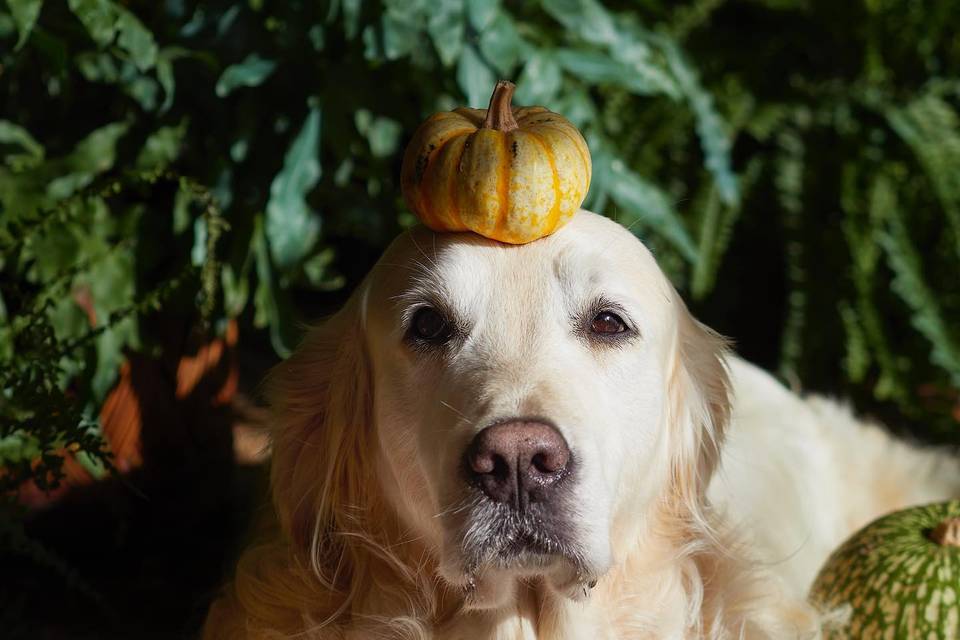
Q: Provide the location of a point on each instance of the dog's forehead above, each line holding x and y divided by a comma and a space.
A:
592, 251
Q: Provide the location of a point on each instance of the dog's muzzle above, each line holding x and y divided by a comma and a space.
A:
521, 471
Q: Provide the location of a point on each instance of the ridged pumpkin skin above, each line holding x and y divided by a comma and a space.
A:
896, 579
509, 185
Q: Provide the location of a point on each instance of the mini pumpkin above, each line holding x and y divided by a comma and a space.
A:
513, 175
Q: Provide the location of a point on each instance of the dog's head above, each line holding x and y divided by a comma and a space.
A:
520, 411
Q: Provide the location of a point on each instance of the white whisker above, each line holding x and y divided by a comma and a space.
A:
458, 412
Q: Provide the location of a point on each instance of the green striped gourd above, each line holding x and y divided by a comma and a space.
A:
898, 577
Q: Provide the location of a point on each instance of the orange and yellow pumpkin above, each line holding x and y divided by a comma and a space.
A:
513, 175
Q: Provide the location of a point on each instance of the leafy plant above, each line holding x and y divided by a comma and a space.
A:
241, 158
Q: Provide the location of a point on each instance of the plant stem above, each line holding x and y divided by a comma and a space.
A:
499, 114
947, 533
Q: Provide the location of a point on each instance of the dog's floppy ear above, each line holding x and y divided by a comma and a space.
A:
321, 399
699, 405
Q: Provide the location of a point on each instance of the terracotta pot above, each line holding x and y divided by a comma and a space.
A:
204, 379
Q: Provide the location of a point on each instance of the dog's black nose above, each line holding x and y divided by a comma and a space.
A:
518, 462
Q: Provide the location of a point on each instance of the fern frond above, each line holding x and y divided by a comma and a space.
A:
861, 318
857, 358
715, 138
788, 180
689, 17
931, 128
910, 284
716, 229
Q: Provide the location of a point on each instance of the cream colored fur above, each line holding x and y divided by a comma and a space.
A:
692, 524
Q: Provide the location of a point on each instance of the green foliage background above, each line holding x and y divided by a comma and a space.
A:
238, 158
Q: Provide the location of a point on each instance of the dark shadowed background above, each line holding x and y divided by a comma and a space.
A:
183, 185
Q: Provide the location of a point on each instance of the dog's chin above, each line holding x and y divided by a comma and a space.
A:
494, 585
489, 576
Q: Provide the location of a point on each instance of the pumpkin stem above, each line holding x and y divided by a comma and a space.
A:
947, 533
499, 113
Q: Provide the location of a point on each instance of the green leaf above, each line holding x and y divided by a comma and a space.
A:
67, 319
93, 465
382, 133
13, 134
587, 19
475, 78
481, 13
198, 254
136, 40
596, 67
351, 17
161, 148
25, 14
704, 272
931, 128
167, 81
867, 324
252, 72
145, 91
372, 37
400, 36
317, 38
641, 201
911, 285
19, 446
502, 44
97, 66
266, 302
226, 20
55, 179
104, 19
591, 66
236, 289
576, 106
109, 347
318, 271
629, 60
711, 129
650, 77
111, 285
239, 149
165, 59
715, 231
8, 28
93, 155
291, 226
539, 81
412, 11
181, 209
790, 167
384, 137
99, 17
446, 27
857, 359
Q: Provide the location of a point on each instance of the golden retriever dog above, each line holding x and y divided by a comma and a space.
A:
539, 441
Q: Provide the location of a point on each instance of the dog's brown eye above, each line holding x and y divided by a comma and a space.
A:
430, 326
607, 323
